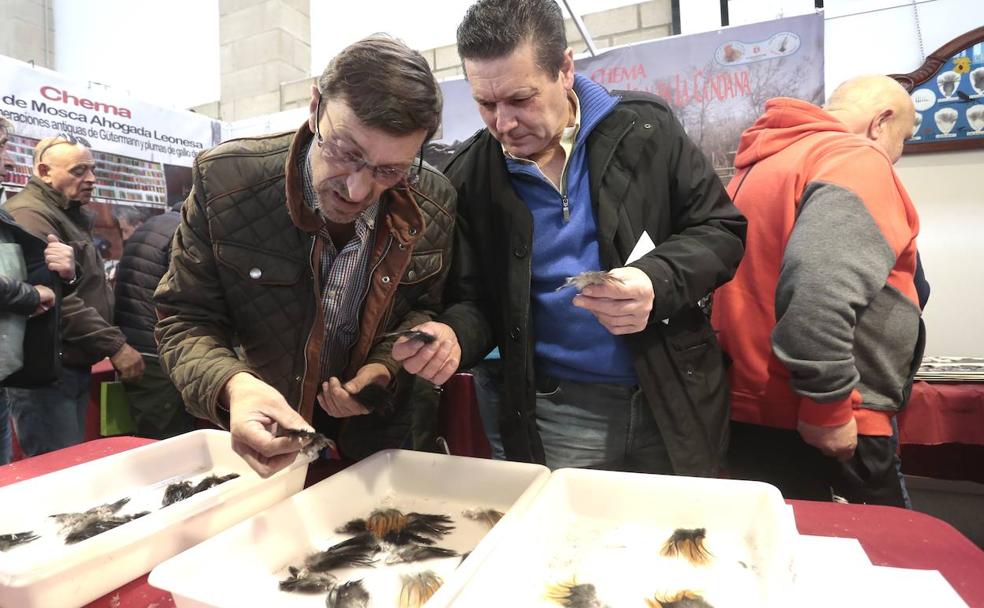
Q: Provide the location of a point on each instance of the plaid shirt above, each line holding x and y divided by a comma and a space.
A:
344, 279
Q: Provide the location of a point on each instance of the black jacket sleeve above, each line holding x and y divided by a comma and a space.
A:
708, 237
18, 297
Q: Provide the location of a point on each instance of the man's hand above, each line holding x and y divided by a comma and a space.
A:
436, 361
46, 302
254, 407
833, 441
621, 307
336, 398
60, 258
128, 363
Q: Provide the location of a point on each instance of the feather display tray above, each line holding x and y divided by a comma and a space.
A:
48, 572
244, 565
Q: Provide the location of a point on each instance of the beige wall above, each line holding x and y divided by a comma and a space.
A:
945, 189
262, 44
27, 31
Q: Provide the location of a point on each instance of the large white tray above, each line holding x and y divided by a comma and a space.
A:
242, 566
607, 529
47, 573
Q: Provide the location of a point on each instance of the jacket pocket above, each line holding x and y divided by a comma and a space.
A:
258, 266
423, 265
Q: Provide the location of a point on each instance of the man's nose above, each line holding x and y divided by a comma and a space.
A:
505, 120
360, 184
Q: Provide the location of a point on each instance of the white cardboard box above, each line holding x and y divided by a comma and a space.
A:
607, 529
47, 573
242, 566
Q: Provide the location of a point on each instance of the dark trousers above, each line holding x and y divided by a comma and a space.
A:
780, 457
51, 417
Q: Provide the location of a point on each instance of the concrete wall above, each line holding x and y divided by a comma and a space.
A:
262, 44
27, 31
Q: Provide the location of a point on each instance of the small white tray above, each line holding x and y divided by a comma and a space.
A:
607, 529
242, 566
47, 572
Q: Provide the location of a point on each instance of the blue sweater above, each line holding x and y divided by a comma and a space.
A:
570, 342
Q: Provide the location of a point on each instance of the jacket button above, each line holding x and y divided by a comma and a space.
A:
401, 246
413, 232
514, 333
411, 275
255, 273
520, 251
297, 378
385, 280
647, 126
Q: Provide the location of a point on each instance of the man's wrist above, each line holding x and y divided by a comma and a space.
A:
233, 386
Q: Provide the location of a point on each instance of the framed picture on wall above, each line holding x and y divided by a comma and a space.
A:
948, 93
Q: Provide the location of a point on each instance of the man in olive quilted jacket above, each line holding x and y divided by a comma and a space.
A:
303, 249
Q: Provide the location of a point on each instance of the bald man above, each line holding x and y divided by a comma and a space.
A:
822, 319
51, 203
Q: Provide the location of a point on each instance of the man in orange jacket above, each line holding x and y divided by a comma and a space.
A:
822, 319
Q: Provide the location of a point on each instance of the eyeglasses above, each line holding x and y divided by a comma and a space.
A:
64, 138
353, 161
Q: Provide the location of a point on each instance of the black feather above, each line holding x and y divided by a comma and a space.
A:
304, 581
375, 398
356, 551
95, 526
9, 541
352, 594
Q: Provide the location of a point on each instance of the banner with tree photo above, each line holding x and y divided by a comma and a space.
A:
716, 82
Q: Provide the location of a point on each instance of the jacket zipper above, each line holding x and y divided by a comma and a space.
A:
565, 203
365, 289
315, 283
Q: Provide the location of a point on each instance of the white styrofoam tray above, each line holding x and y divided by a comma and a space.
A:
47, 572
607, 528
242, 566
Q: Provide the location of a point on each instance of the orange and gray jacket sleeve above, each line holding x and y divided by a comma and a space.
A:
835, 263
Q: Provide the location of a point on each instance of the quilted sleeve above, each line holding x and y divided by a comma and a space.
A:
194, 329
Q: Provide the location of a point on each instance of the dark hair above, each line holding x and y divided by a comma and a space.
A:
388, 86
495, 28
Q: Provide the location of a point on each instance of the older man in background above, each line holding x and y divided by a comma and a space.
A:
823, 318
52, 203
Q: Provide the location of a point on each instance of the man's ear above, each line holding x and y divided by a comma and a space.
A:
567, 68
880, 123
312, 120
43, 170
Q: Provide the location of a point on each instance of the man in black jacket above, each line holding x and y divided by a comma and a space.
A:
52, 203
37, 297
569, 178
155, 403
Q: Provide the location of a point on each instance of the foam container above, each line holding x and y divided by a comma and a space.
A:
607, 529
242, 566
47, 572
